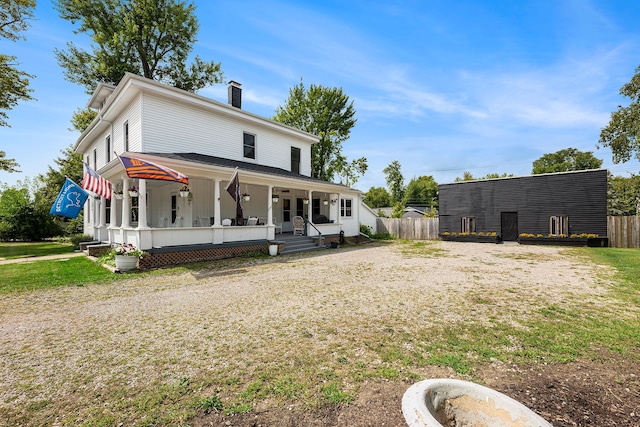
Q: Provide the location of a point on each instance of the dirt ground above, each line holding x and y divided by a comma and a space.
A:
68, 355
585, 393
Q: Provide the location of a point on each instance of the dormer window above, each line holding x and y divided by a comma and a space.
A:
249, 143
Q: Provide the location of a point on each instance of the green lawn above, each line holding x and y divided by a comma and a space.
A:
20, 250
51, 273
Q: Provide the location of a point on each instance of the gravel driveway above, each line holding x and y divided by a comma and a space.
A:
240, 317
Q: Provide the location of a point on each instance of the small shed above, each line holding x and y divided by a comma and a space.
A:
557, 204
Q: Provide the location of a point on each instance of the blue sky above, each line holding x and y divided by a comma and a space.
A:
441, 86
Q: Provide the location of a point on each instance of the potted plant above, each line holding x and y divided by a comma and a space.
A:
133, 191
305, 200
117, 193
246, 197
127, 256
325, 202
185, 191
275, 198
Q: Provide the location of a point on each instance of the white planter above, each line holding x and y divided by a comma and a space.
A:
133, 193
184, 194
305, 201
126, 263
118, 196
273, 250
434, 403
325, 202
246, 198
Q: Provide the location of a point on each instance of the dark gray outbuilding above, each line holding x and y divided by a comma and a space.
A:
572, 202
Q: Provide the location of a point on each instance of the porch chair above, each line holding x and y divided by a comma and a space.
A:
253, 220
298, 226
162, 223
177, 223
226, 222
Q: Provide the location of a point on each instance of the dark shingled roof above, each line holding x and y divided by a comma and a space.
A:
228, 163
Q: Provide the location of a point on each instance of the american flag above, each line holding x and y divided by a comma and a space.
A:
144, 169
95, 183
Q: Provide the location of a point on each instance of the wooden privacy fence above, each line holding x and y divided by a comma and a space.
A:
623, 231
409, 228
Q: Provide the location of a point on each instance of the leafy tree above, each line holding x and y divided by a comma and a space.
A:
22, 217
377, 197
14, 83
69, 165
82, 118
328, 114
569, 159
468, 176
152, 38
351, 171
621, 134
395, 181
422, 190
623, 195
8, 165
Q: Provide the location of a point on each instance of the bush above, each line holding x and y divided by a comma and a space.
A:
365, 229
76, 239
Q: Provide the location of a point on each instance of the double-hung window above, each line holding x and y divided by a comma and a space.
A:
558, 225
295, 160
107, 147
125, 130
345, 207
249, 145
468, 224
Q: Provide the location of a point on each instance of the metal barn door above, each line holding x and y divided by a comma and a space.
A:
509, 226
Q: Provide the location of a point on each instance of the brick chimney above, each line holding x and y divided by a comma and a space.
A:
235, 94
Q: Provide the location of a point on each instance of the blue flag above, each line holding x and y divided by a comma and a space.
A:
70, 201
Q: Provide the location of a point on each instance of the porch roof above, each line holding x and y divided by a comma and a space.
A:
253, 167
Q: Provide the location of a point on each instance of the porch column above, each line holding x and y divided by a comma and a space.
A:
126, 205
270, 206
103, 212
216, 203
310, 206
114, 208
142, 204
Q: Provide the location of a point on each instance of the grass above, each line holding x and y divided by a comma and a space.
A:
77, 271
329, 371
21, 250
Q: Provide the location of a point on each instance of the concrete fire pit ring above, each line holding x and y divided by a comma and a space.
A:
446, 402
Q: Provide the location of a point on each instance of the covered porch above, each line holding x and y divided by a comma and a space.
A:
159, 215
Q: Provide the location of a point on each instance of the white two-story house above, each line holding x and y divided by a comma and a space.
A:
205, 140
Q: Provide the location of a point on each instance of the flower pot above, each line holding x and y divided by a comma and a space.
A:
184, 194
246, 198
133, 193
325, 202
275, 199
118, 196
305, 201
126, 263
273, 250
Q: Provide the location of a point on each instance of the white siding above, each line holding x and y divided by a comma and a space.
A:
132, 115
169, 126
